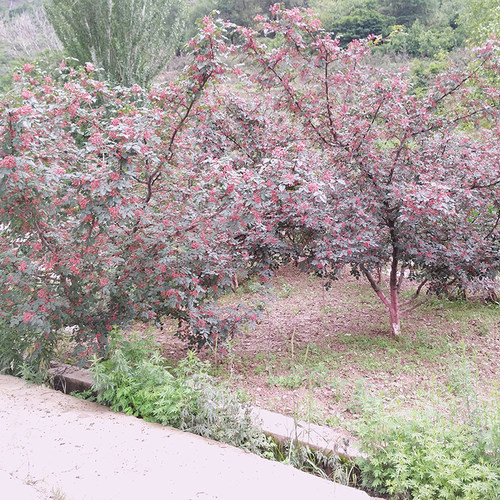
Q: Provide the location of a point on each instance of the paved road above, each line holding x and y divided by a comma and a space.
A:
54, 446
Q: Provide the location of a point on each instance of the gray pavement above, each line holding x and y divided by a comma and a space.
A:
54, 446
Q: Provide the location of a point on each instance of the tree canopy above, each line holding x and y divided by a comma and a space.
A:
481, 19
119, 204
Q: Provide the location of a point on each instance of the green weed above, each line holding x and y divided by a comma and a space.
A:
309, 410
426, 454
135, 380
327, 466
292, 380
285, 290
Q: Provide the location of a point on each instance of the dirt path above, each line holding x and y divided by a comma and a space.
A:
58, 447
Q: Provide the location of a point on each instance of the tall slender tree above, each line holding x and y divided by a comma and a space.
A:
130, 40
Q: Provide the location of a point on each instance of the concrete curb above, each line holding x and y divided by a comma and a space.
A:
68, 378
317, 437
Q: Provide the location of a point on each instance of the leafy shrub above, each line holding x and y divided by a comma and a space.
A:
397, 167
428, 456
361, 23
135, 379
141, 204
422, 41
107, 228
21, 351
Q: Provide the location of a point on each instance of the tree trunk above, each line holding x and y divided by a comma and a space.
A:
394, 316
392, 301
394, 285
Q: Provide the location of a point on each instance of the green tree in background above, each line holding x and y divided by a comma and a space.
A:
131, 40
417, 28
359, 18
331, 12
361, 23
481, 19
406, 12
240, 12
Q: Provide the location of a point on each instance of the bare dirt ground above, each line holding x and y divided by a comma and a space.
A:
315, 349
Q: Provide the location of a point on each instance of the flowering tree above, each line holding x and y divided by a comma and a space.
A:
392, 180
109, 210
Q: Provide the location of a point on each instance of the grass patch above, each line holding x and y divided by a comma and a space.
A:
473, 317
422, 346
292, 380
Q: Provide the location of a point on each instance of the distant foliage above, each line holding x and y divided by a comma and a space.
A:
361, 23
24, 37
241, 12
406, 12
15, 7
422, 27
481, 19
28, 34
423, 42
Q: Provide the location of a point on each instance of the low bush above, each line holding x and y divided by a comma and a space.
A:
135, 379
22, 352
426, 455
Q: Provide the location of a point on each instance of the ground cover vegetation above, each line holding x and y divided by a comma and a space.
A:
426, 405
427, 455
135, 379
152, 203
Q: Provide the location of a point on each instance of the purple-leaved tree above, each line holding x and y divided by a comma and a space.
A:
388, 179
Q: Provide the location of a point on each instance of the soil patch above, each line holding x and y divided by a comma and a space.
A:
315, 350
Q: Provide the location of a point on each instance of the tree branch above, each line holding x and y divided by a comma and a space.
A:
418, 304
375, 286
416, 294
494, 227
484, 186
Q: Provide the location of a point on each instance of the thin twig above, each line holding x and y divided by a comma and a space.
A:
418, 304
